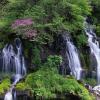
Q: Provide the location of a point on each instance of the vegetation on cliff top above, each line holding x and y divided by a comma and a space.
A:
42, 19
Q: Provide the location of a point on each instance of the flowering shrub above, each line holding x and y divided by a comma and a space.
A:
22, 22
30, 33
24, 27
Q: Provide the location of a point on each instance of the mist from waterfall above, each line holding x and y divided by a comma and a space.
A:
94, 46
13, 62
73, 59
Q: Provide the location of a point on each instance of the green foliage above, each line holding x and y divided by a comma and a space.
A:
90, 81
9, 12
4, 86
96, 5
49, 16
54, 61
36, 56
46, 83
81, 40
73, 87
65, 14
96, 14
44, 38
98, 30
16, 2
21, 86
40, 84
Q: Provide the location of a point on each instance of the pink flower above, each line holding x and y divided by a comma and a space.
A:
22, 22
30, 33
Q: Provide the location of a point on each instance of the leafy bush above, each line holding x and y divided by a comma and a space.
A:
4, 86
54, 61
81, 40
21, 86
46, 83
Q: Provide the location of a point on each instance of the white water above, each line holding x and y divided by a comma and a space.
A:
94, 46
15, 63
8, 96
73, 58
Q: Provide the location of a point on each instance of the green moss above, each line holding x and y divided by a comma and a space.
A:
4, 86
21, 86
36, 56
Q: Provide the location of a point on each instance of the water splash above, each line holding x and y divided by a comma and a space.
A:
8, 96
94, 46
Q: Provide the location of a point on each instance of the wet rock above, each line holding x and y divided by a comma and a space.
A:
89, 87
94, 74
83, 73
96, 90
12, 78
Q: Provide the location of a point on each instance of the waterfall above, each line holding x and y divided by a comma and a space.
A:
73, 59
8, 96
13, 62
94, 46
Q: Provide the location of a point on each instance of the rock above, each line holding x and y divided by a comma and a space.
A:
96, 90
89, 87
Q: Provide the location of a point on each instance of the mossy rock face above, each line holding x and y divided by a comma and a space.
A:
4, 86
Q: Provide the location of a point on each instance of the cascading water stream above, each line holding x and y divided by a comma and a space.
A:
94, 46
13, 63
73, 58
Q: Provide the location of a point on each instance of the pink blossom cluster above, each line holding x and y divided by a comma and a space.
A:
22, 22
30, 33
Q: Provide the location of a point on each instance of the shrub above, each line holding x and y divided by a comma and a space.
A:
21, 86
5, 86
81, 40
46, 83
54, 61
